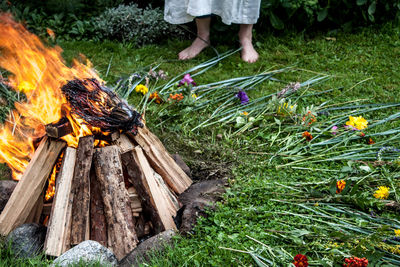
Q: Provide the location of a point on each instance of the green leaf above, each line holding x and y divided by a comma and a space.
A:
322, 14
276, 22
361, 2
372, 8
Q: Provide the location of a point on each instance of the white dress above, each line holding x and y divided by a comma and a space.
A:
230, 11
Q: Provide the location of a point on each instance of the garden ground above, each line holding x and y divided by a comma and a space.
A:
364, 69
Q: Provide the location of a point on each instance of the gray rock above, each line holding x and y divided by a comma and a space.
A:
140, 253
27, 240
195, 200
6, 189
86, 252
178, 159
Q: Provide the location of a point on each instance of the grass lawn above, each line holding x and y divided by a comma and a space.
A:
363, 68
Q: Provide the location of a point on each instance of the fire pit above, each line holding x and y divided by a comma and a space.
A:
87, 166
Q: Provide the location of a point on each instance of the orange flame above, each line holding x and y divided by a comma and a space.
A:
39, 72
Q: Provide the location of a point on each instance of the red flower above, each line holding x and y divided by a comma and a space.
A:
300, 260
307, 136
355, 262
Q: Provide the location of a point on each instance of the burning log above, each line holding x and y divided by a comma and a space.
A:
81, 190
30, 186
121, 228
59, 129
60, 215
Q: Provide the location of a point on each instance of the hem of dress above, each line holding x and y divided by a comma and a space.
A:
188, 19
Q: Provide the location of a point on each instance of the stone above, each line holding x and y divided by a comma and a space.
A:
179, 161
27, 240
195, 200
88, 251
6, 189
140, 254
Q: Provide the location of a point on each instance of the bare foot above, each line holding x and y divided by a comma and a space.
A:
249, 54
192, 51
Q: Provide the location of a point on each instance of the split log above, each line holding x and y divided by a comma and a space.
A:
57, 230
170, 197
124, 144
59, 129
122, 237
81, 189
161, 161
30, 186
154, 199
136, 205
98, 226
36, 213
108, 138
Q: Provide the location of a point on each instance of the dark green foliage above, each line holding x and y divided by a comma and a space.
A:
303, 14
134, 24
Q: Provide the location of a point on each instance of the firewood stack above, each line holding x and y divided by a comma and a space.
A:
115, 194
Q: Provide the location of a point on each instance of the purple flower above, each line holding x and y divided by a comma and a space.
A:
186, 79
334, 128
244, 99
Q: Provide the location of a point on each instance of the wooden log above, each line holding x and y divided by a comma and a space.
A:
47, 207
161, 161
121, 233
31, 185
59, 129
124, 144
81, 189
136, 177
108, 138
142, 177
98, 225
170, 197
57, 231
35, 214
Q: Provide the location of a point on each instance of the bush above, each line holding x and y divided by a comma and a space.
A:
303, 14
134, 24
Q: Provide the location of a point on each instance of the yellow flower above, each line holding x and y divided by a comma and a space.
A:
382, 192
194, 96
397, 232
244, 113
141, 89
357, 122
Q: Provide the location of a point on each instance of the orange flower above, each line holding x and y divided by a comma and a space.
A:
309, 117
370, 141
176, 97
307, 136
156, 97
340, 185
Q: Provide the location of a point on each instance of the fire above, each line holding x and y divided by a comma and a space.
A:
38, 72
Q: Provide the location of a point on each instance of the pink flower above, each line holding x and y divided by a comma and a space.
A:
186, 79
334, 128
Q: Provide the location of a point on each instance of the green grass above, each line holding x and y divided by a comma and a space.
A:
369, 55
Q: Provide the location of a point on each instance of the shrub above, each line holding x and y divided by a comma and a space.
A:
302, 14
134, 24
